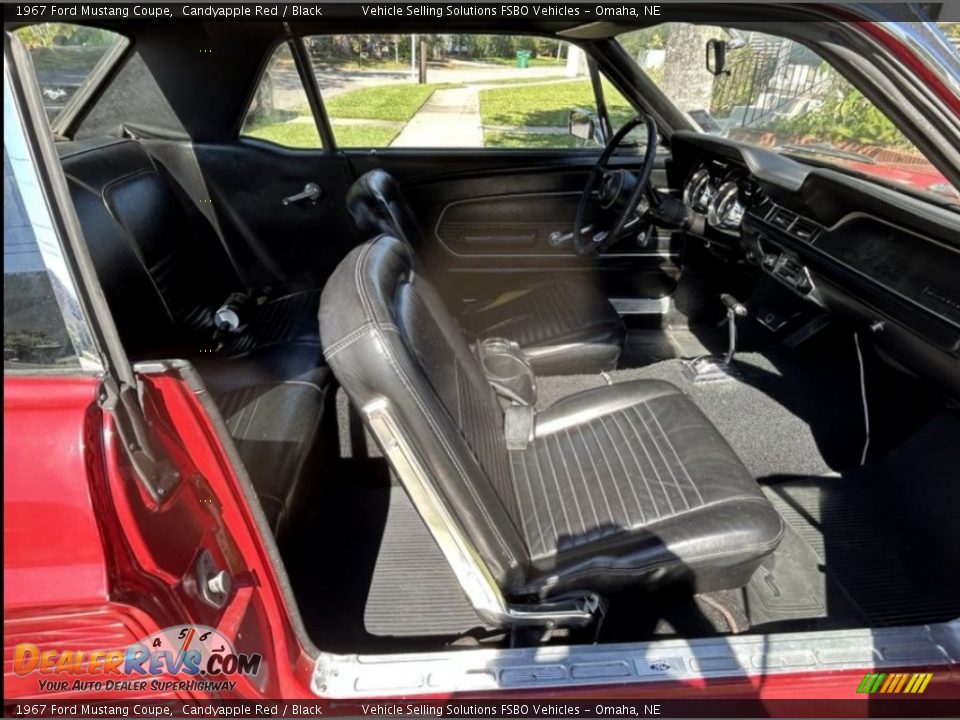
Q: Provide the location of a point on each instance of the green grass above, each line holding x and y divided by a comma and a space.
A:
288, 134
496, 139
519, 81
304, 135
397, 103
539, 61
365, 135
547, 105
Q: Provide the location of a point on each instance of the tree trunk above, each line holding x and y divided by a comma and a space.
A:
685, 78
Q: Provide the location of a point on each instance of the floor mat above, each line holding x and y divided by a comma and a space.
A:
792, 591
884, 534
367, 574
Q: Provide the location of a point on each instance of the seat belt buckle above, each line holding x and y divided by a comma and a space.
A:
231, 317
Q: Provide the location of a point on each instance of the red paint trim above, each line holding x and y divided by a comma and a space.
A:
52, 548
905, 54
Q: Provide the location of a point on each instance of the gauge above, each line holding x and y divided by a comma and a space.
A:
699, 190
725, 210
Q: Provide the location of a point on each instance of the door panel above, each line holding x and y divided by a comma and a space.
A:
486, 218
485, 215
240, 187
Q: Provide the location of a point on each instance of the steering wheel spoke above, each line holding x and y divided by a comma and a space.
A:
615, 186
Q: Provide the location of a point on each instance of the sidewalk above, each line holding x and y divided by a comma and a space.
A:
449, 118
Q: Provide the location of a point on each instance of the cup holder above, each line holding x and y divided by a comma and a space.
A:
508, 371
499, 362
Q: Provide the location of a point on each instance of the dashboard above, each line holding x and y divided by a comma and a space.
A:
884, 261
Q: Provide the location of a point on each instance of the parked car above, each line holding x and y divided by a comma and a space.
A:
291, 416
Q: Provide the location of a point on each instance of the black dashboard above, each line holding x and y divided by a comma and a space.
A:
887, 262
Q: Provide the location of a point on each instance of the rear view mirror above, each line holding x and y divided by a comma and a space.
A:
582, 125
716, 56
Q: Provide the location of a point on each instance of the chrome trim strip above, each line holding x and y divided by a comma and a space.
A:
471, 571
37, 206
639, 663
641, 306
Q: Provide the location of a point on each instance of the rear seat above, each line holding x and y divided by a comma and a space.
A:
165, 273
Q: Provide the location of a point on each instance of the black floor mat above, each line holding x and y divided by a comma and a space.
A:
885, 536
367, 574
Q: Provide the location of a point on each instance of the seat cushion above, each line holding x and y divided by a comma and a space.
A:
565, 327
272, 403
630, 483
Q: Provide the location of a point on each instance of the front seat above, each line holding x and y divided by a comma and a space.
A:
564, 326
626, 485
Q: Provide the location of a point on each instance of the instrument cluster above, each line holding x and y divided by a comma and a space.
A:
722, 192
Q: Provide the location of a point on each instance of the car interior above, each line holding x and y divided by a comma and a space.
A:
473, 419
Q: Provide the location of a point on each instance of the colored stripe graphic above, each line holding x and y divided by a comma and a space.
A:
894, 683
187, 640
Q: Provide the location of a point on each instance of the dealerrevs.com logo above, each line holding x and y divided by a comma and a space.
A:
187, 657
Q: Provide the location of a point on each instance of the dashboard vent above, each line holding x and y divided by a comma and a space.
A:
781, 218
804, 230
792, 224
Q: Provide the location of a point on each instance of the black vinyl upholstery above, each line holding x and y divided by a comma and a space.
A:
625, 485
165, 273
564, 326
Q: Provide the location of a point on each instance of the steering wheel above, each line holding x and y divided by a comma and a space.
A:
613, 188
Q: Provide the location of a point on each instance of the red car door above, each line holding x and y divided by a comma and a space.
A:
133, 563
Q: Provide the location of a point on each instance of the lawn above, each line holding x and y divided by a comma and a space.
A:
547, 105
517, 81
304, 134
496, 139
539, 61
397, 103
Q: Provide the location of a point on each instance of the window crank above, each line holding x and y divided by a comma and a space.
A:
311, 193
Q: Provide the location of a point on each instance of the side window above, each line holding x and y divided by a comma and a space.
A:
65, 57
280, 111
467, 91
35, 336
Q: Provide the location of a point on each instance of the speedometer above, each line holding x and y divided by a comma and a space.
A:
725, 210
699, 190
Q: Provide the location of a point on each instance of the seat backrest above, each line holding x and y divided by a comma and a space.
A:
378, 207
163, 270
387, 336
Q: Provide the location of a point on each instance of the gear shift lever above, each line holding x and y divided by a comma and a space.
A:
735, 309
709, 368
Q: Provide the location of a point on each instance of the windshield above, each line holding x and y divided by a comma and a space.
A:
779, 94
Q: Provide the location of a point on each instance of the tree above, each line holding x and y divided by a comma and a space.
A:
951, 30
685, 79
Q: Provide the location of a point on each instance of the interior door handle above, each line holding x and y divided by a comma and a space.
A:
558, 239
311, 193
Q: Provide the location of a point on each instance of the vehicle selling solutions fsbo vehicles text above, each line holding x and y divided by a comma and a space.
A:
508, 10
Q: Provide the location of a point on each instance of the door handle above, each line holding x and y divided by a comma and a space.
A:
311, 193
559, 239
